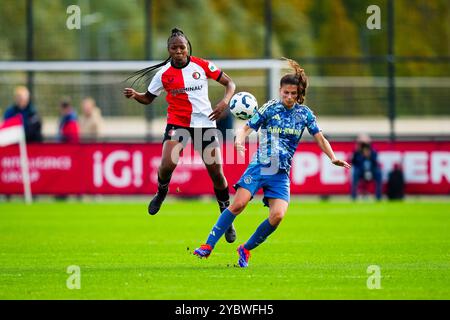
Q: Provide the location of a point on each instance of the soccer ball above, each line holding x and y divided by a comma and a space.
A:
243, 105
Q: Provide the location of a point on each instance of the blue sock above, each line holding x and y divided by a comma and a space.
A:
260, 235
223, 223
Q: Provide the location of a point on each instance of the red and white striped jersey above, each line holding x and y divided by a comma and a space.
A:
187, 92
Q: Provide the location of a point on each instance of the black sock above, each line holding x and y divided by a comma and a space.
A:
223, 198
163, 185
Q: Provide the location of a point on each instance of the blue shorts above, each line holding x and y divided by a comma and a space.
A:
275, 186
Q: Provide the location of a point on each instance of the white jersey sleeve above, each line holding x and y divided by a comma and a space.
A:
156, 86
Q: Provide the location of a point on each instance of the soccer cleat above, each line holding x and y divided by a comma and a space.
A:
155, 204
230, 234
244, 255
204, 251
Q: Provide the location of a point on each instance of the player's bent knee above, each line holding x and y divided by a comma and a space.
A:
168, 163
276, 217
237, 207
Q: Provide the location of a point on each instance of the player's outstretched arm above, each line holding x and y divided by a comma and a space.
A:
326, 148
144, 97
240, 139
222, 105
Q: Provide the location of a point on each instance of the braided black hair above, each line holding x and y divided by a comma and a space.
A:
148, 73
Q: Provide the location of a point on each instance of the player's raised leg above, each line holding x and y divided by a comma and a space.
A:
277, 210
243, 196
170, 156
213, 163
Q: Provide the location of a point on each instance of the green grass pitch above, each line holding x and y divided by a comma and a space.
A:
321, 251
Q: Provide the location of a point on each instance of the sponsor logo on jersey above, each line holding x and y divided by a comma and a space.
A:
212, 67
174, 92
255, 118
276, 117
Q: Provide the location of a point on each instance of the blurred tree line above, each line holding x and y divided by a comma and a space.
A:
310, 31
114, 30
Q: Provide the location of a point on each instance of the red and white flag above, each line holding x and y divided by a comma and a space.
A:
11, 131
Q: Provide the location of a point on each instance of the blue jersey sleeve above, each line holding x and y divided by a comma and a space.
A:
256, 121
261, 115
312, 125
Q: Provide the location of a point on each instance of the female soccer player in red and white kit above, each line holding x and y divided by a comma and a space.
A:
189, 115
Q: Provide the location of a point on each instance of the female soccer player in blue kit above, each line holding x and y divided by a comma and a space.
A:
282, 122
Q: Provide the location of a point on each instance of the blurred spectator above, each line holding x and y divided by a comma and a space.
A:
31, 120
396, 183
90, 120
365, 168
68, 126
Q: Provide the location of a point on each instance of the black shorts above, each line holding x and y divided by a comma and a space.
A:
204, 137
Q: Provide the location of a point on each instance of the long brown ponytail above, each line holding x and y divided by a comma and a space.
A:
298, 78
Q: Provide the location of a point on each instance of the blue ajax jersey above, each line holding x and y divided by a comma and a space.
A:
281, 131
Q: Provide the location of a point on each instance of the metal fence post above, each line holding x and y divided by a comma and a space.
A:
391, 70
268, 46
30, 46
149, 111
